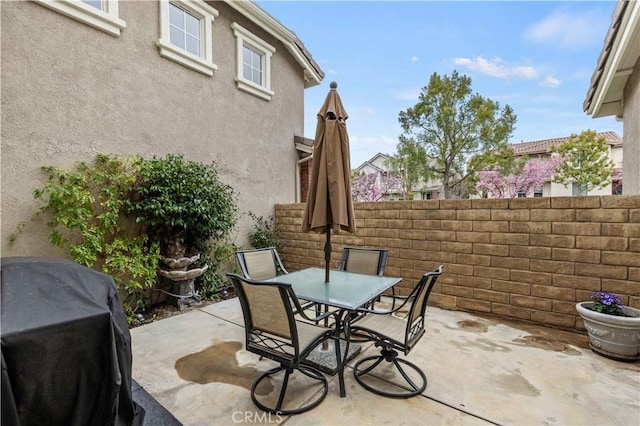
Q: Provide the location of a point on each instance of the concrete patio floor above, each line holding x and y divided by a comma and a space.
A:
480, 371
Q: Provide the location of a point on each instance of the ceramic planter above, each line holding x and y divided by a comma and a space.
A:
610, 335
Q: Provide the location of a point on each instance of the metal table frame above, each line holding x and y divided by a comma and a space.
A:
346, 291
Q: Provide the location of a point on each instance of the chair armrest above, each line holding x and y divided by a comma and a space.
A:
319, 317
394, 309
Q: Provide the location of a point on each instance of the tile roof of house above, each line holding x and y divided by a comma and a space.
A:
544, 146
609, 39
615, 65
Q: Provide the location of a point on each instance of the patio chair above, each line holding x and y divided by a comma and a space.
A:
260, 264
367, 261
272, 331
393, 334
264, 263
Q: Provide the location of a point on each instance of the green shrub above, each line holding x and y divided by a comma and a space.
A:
177, 198
265, 232
180, 197
87, 214
116, 213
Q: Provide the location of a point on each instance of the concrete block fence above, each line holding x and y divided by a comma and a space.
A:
530, 259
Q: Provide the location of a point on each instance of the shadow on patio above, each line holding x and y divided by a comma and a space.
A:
481, 370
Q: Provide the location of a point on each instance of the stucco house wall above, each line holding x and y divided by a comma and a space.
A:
70, 91
631, 129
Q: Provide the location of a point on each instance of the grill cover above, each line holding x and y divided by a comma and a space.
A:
66, 346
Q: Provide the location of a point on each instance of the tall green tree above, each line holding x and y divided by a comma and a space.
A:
453, 125
586, 161
409, 164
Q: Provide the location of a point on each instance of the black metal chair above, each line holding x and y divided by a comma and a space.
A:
264, 263
272, 331
369, 261
260, 264
393, 334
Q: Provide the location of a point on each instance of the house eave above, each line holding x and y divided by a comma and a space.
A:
313, 75
620, 52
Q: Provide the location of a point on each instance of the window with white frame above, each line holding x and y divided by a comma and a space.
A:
186, 34
538, 192
253, 63
100, 14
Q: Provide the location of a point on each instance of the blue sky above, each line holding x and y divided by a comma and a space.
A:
537, 57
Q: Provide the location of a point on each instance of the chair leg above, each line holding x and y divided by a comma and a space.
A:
277, 409
408, 385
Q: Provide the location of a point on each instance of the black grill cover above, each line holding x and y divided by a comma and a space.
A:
66, 347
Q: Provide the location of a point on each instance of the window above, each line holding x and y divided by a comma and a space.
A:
522, 193
100, 14
186, 34
577, 190
184, 30
537, 192
94, 3
253, 63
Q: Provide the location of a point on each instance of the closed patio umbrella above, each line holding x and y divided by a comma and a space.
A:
329, 204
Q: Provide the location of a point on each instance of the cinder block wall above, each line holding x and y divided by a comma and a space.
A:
525, 258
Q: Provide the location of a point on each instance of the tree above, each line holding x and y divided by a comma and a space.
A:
453, 125
531, 175
409, 164
372, 186
585, 161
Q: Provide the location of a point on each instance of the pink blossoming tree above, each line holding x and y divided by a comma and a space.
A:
373, 186
532, 175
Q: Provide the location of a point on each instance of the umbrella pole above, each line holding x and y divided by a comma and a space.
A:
327, 254
327, 261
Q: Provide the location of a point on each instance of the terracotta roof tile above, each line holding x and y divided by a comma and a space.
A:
544, 146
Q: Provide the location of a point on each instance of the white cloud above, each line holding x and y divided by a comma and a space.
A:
550, 81
496, 68
414, 59
569, 30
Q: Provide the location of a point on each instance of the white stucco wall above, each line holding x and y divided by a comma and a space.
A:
70, 91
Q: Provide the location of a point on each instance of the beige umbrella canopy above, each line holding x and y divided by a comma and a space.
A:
329, 203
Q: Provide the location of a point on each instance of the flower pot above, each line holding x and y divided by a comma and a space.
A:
612, 336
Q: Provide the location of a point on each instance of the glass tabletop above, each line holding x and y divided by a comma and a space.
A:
346, 290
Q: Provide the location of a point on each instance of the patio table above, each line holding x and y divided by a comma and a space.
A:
346, 291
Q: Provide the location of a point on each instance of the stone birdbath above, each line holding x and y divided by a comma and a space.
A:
178, 270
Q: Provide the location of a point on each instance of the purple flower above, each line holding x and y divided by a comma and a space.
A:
607, 303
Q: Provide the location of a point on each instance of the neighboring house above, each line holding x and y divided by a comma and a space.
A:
217, 81
378, 165
304, 146
542, 149
615, 86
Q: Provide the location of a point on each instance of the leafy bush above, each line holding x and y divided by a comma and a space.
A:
87, 207
265, 232
116, 213
181, 198
176, 196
